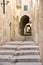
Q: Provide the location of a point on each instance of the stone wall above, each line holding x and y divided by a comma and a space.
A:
40, 27
9, 22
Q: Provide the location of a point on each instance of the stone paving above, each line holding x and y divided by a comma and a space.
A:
20, 53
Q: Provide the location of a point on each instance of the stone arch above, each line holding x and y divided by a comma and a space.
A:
23, 21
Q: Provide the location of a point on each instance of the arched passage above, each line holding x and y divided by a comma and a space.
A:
23, 21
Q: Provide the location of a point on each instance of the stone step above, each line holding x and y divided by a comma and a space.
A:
26, 52
12, 48
29, 56
25, 58
6, 63
5, 58
21, 52
21, 63
7, 52
29, 63
26, 46
19, 47
21, 43
9, 47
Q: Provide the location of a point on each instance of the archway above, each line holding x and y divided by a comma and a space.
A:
23, 21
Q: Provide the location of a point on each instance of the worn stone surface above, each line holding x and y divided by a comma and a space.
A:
21, 55
9, 22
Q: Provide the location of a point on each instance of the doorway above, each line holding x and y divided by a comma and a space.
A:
25, 26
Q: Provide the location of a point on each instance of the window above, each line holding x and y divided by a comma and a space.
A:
25, 7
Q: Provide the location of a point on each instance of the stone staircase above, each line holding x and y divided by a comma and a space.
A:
20, 53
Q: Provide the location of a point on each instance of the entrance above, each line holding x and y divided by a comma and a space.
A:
25, 26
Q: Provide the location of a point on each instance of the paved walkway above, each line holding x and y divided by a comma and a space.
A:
20, 53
